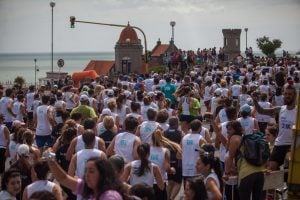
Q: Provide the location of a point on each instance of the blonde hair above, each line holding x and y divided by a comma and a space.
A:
159, 140
111, 104
108, 122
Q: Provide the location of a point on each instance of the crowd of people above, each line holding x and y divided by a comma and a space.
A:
141, 136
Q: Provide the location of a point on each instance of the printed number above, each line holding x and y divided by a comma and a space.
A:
189, 142
123, 142
286, 126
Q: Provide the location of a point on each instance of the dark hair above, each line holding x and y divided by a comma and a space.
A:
208, 158
108, 179
88, 137
41, 169
45, 99
173, 122
130, 123
76, 116
198, 186
118, 162
68, 134
151, 114
89, 123
273, 130
143, 191
8, 92
195, 125
42, 195
135, 106
245, 114
263, 97
11, 173
236, 126
143, 151
162, 116
231, 113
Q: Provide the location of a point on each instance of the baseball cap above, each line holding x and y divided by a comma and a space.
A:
218, 92
110, 93
23, 150
151, 94
106, 111
249, 101
85, 88
84, 97
127, 93
245, 108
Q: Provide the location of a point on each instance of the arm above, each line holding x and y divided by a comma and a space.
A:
234, 144
158, 177
7, 138
167, 166
24, 196
265, 111
57, 192
9, 108
211, 186
72, 166
137, 142
101, 145
50, 117
56, 145
126, 172
138, 131
256, 127
207, 136
71, 149
61, 176
110, 149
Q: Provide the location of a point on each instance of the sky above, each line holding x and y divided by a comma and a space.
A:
25, 25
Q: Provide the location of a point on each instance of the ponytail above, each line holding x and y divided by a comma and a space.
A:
143, 151
216, 166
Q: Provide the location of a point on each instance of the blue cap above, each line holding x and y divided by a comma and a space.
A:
245, 108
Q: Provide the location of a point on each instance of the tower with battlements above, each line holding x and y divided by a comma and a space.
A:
232, 43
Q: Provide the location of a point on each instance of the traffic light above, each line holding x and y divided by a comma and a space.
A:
72, 20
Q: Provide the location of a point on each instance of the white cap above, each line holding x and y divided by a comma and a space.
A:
84, 97
151, 94
127, 93
23, 150
110, 93
106, 111
218, 92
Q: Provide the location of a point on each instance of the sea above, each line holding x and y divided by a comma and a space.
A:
22, 64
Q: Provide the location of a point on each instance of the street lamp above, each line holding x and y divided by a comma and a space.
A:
36, 69
172, 23
246, 30
52, 4
73, 20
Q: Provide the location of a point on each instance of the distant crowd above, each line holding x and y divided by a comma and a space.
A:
141, 136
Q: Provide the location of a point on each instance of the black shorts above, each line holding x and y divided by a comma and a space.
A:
279, 152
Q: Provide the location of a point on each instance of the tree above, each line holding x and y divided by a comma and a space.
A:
19, 80
268, 47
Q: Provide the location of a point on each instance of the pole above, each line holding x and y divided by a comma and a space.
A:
246, 30
52, 4
35, 72
72, 19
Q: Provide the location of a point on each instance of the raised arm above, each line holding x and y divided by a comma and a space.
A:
265, 111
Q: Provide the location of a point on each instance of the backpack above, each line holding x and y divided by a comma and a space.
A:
255, 149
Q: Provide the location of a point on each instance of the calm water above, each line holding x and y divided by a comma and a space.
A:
12, 65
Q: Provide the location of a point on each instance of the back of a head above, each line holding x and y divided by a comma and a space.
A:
135, 106
131, 123
89, 123
151, 114
42, 195
231, 113
88, 137
41, 169
118, 162
76, 116
173, 122
196, 125
45, 99
143, 191
108, 122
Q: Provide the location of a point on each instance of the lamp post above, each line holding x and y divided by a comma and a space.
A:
35, 70
52, 4
172, 23
73, 20
246, 30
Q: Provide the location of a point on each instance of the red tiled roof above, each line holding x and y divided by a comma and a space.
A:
160, 50
128, 33
102, 67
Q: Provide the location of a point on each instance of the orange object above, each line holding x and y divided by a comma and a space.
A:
77, 77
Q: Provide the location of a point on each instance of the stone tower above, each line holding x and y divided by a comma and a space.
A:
232, 44
128, 52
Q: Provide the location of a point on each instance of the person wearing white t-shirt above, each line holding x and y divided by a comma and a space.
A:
80, 158
249, 123
263, 120
147, 128
125, 144
287, 118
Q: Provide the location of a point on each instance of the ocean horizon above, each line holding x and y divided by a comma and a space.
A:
22, 64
